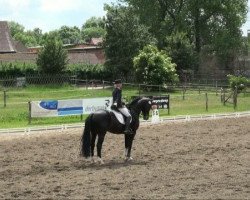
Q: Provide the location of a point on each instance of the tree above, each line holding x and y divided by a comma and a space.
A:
93, 28
214, 25
163, 17
181, 51
125, 37
154, 67
28, 38
52, 59
38, 34
69, 35
15, 28
215, 19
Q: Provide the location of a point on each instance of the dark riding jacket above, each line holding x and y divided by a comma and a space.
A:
117, 97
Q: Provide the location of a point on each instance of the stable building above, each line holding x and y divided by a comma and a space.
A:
14, 51
6, 42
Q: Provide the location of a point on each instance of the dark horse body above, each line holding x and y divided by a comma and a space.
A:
98, 123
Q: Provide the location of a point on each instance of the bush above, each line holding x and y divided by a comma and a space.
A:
240, 82
16, 69
52, 59
154, 67
88, 71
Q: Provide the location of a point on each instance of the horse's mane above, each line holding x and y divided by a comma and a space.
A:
135, 101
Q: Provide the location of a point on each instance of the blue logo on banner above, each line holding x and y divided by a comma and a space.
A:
70, 111
49, 105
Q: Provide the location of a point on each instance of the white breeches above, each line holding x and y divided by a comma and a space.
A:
124, 111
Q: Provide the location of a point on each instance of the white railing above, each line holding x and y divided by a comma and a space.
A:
63, 127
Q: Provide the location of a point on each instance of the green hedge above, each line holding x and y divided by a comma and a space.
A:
240, 82
16, 69
82, 70
88, 71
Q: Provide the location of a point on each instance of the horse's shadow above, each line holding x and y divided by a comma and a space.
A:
112, 164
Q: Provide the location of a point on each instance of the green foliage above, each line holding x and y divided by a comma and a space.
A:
93, 28
52, 59
82, 70
15, 28
28, 38
69, 35
163, 17
25, 39
125, 37
154, 67
240, 82
15, 69
87, 71
92, 32
181, 51
94, 22
214, 24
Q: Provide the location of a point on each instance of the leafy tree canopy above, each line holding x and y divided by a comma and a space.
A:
213, 25
154, 67
93, 28
69, 35
125, 37
28, 38
181, 51
52, 59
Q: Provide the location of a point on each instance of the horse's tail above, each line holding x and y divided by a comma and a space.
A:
86, 137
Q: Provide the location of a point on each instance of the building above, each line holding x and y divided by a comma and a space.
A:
6, 42
13, 51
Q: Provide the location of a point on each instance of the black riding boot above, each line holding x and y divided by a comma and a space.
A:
127, 126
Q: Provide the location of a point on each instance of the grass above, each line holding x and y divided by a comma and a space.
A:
15, 114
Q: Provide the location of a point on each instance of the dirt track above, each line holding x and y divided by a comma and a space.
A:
196, 160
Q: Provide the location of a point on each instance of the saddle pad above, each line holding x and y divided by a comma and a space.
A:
119, 116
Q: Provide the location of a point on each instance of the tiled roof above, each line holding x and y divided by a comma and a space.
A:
19, 46
77, 57
96, 41
6, 42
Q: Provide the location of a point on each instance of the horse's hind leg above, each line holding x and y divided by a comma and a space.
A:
101, 137
92, 152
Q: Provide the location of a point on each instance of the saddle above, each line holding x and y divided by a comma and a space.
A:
119, 116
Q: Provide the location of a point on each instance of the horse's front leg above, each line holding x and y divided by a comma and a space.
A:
128, 146
101, 137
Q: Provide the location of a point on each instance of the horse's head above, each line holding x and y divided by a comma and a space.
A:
145, 105
141, 105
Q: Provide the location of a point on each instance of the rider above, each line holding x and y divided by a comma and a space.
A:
117, 103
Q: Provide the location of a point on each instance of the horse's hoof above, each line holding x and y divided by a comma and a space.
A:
128, 159
90, 159
99, 161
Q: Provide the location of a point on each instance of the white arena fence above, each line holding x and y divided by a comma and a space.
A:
181, 118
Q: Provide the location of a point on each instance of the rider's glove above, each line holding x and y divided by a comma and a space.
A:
114, 106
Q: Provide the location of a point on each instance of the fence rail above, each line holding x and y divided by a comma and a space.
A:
181, 118
74, 79
199, 84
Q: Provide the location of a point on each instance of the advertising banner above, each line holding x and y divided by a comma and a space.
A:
162, 102
55, 108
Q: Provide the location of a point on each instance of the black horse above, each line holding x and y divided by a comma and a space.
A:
98, 123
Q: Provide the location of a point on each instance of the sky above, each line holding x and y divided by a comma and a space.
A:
52, 14
246, 26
